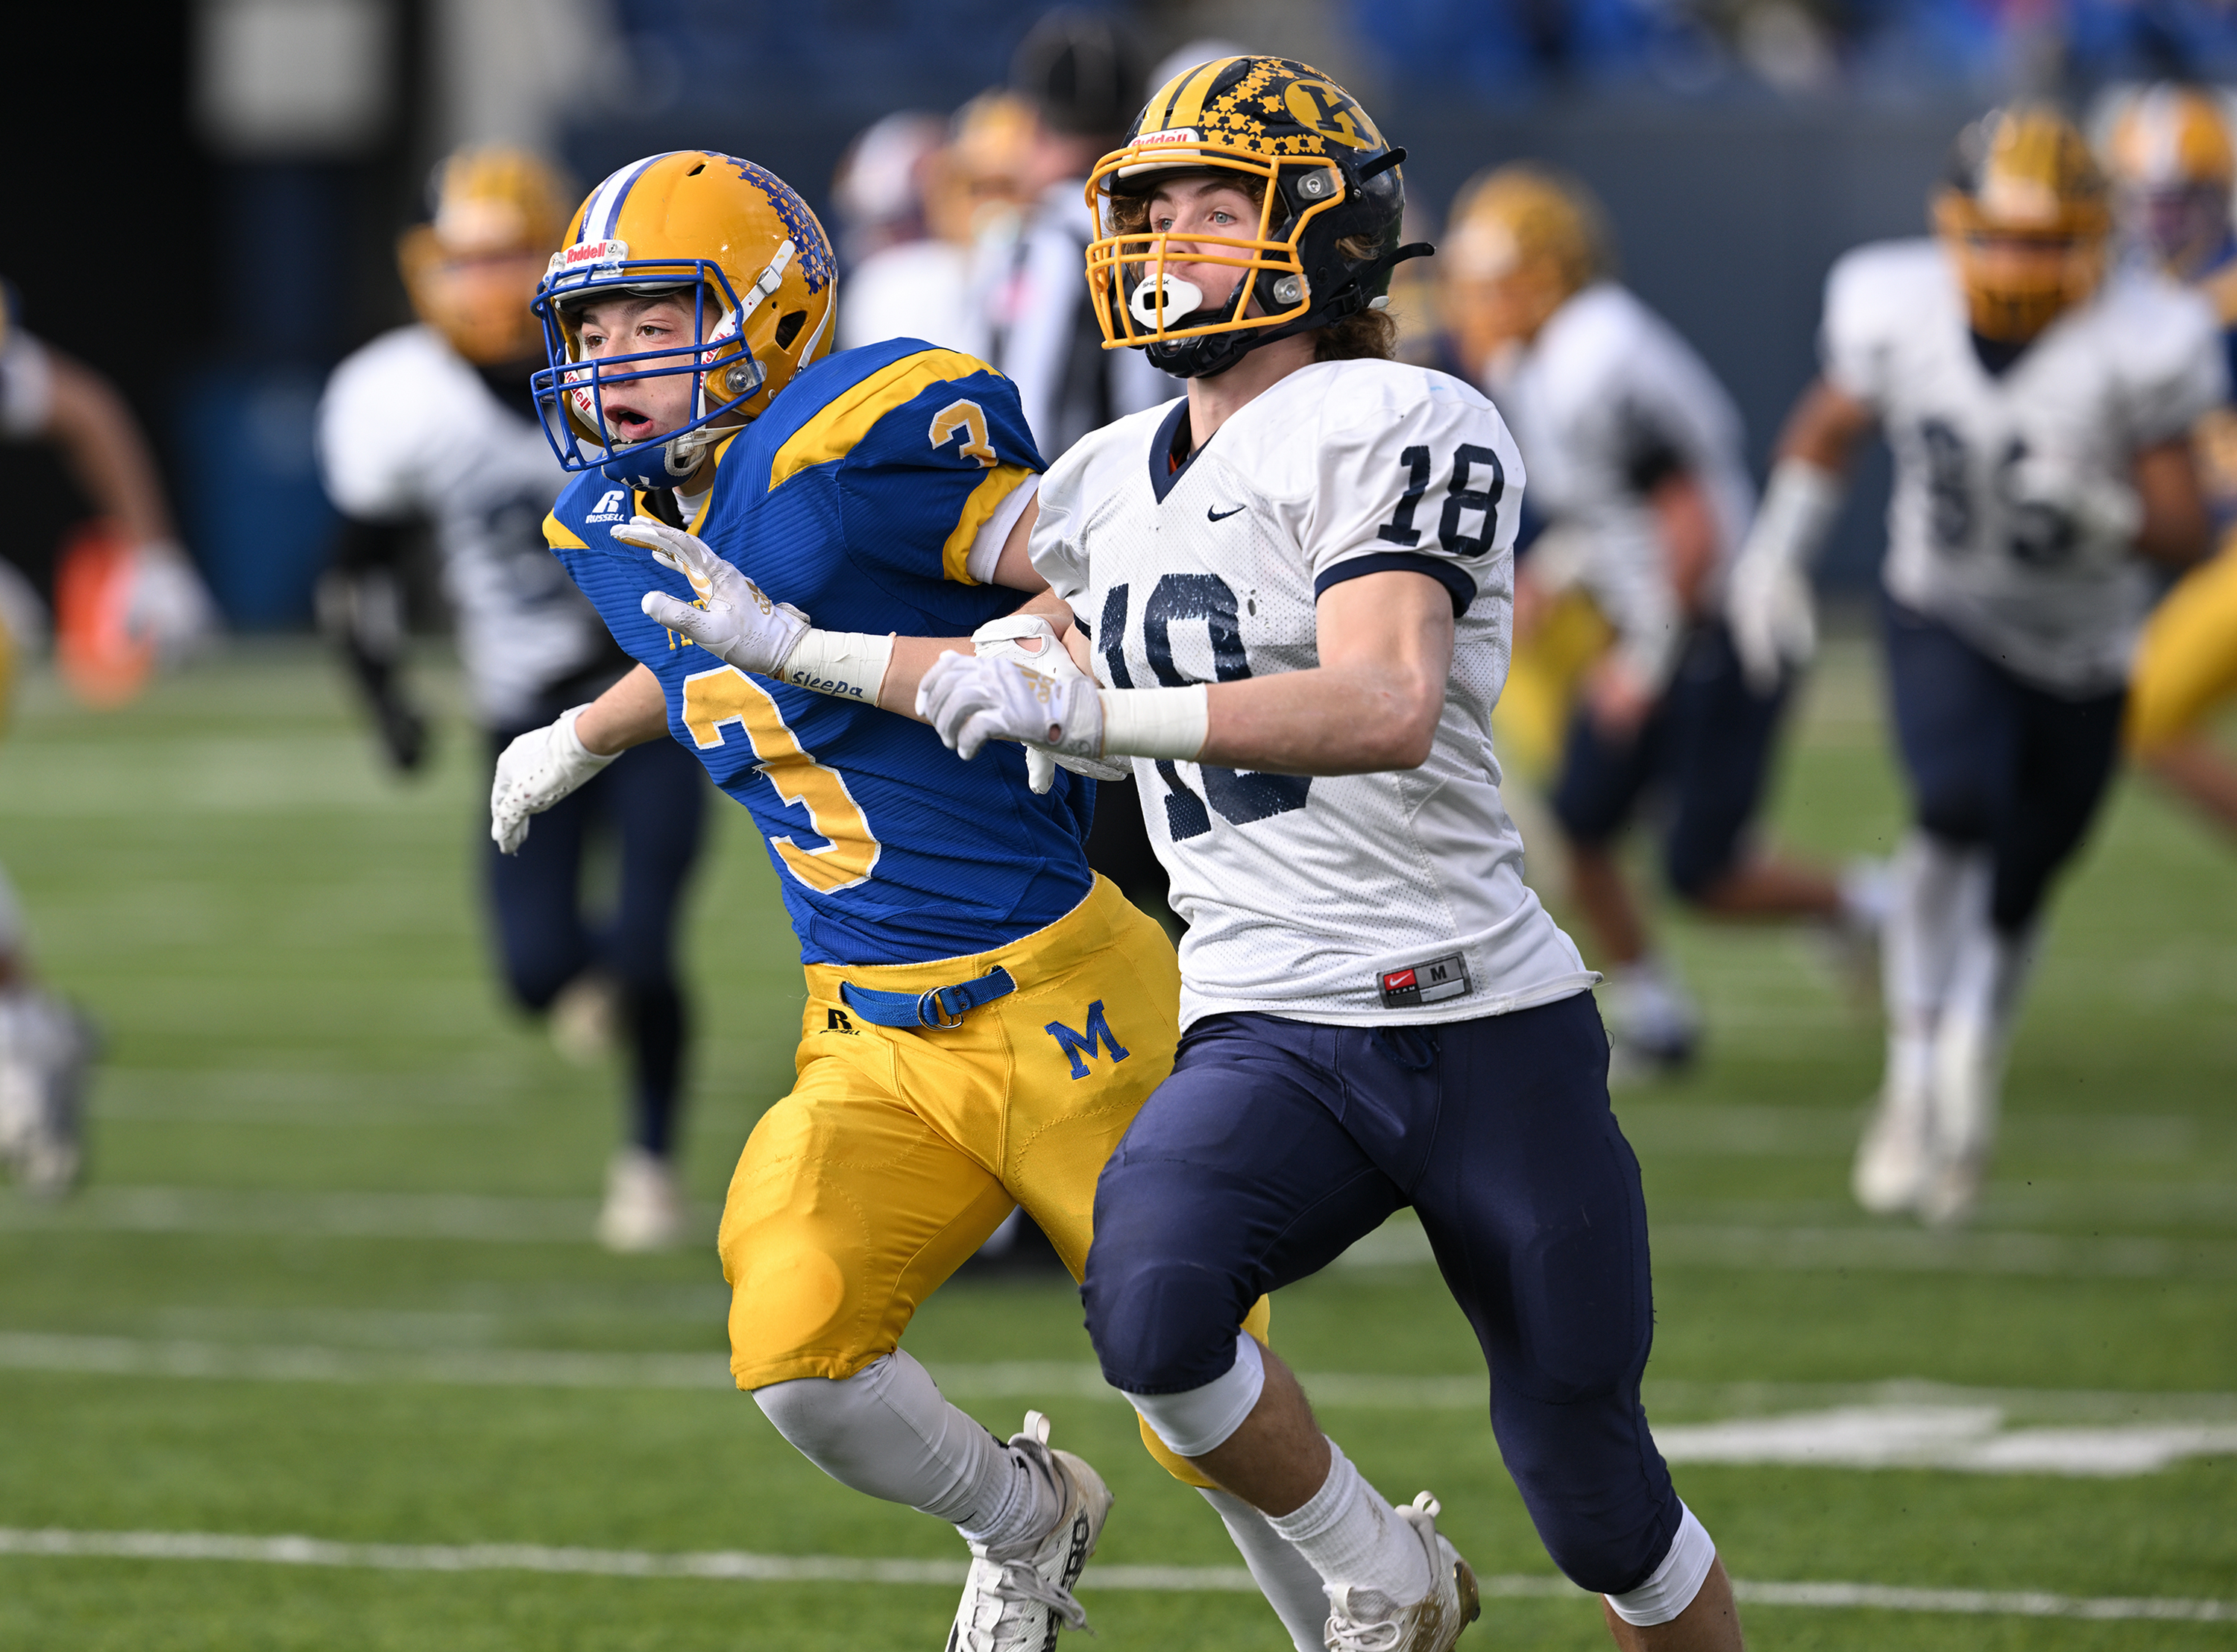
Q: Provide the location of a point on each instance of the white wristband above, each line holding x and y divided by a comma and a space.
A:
1156, 722
849, 665
1799, 504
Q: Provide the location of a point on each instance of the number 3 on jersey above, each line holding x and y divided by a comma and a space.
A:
727, 695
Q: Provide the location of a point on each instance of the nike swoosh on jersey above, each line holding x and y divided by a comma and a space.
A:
1210, 515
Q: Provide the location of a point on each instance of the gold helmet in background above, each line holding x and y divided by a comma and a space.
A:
981, 179
2172, 166
2023, 211
499, 212
1521, 240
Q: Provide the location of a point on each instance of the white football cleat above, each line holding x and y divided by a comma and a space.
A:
1366, 1620
45, 1049
644, 1204
1893, 1163
1016, 1598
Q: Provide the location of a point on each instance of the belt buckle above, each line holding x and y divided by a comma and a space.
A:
931, 1012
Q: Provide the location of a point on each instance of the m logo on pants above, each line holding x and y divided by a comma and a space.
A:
1080, 1046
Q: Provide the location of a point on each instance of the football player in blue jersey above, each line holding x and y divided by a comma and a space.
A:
984, 1015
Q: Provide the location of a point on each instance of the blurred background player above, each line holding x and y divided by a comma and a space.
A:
433, 424
2039, 415
129, 601
2172, 170
914, 194
1634, 456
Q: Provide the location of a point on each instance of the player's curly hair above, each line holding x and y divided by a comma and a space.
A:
1365, 335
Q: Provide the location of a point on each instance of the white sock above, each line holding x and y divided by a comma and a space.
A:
1284, 1576
1934, 886
1653, 1006
888, 1430
1969, 1044
1352, 1537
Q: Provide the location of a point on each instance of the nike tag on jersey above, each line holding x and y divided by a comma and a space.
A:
1209, 515
1431, 982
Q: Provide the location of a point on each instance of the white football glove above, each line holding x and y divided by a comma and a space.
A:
2063, 515
1768, 602
1005, 639
534, 773
738, 625
972, 701
1773, 615
168, 605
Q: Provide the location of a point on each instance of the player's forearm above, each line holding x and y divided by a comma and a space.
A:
630, 712
2176, 530
1360, 718
1825, 429
102, 446
912, 655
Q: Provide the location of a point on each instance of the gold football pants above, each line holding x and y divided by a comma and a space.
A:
899, 1149
2186, 662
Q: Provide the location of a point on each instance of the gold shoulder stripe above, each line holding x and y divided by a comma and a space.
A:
558, 533
2221, 292
833, 432
978, 510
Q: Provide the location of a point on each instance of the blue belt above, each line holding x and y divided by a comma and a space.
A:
942, 1007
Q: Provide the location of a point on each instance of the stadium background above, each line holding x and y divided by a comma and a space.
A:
282, 946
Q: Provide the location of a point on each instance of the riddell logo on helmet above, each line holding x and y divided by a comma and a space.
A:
1162, 140
589, 253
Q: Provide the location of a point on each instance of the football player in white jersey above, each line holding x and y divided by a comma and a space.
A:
434, 422
1635, 453
148, 607
1294, 589
2040, 415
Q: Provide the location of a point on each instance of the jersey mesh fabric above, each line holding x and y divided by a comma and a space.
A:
2136, 366
1302, 894
851, 498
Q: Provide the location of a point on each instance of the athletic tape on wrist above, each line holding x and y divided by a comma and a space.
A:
848, 665
1156, 722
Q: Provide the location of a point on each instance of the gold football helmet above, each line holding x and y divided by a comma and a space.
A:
1329, 195
2023, 211
759, 268
1521, 241
472, 272
2172, 166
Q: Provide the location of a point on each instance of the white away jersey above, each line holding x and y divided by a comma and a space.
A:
1604, 400
407, 428
2136, 366
1359, 898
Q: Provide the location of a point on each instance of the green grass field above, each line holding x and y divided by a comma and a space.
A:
331, 1275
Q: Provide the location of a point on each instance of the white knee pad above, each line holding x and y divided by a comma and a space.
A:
1675, 1582
1202, 1418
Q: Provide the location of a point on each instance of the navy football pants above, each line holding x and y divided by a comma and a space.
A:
649, 806
1706, 748
1993, 761
1276, 1144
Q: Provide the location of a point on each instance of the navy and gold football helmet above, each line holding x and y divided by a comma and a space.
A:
472, 269
2024, 213
1330, 197
760, 271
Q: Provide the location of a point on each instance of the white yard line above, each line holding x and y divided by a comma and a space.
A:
482, 1219
1889, 1425
737, 1566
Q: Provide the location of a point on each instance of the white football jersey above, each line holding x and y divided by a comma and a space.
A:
2136, 366
27, 387
1607, 396
407, 428
1359, 898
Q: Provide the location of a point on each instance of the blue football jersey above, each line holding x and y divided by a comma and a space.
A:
856, 498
